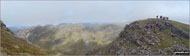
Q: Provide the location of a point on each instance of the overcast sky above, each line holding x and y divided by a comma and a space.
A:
22, 13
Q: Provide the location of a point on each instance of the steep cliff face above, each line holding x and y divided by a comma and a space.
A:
151, 36
14, 46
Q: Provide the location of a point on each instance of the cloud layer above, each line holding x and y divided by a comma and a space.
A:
16, 13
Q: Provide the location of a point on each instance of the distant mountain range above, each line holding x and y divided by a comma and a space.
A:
13, 28
65, 38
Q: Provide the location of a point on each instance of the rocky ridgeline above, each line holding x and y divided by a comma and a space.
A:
136, 39
149, 37
163, 24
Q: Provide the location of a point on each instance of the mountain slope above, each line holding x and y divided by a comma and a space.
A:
14, 46
68, 39
135, 39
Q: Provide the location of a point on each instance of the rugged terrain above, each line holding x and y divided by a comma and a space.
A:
109, 39
134, 39
10, 45
70, 38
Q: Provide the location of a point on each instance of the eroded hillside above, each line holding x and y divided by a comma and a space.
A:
72, 38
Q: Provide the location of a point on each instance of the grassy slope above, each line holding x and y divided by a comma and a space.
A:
78, 39
13, 46
181, 25
67, 39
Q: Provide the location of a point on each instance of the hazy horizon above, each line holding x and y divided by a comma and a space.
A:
24, 13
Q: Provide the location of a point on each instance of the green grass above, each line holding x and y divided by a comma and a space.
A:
13, 46
168, 41
180, 25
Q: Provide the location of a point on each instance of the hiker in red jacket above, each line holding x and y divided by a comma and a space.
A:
163, 18
154, 27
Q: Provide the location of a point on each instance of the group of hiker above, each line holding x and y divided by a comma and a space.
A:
163, 18
155, 26
152, 27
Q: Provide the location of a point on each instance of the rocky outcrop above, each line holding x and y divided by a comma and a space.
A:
3, 26
136, 39
180, 32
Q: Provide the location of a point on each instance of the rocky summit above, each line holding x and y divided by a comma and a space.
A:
152, 36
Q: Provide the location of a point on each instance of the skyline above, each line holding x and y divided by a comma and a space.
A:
24, 13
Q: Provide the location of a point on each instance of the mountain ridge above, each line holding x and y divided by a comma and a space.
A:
152, 36
63, 37
135, 39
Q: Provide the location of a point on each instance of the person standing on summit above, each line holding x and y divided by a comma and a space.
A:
167, 18
160, 17
157, 17
163, 18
